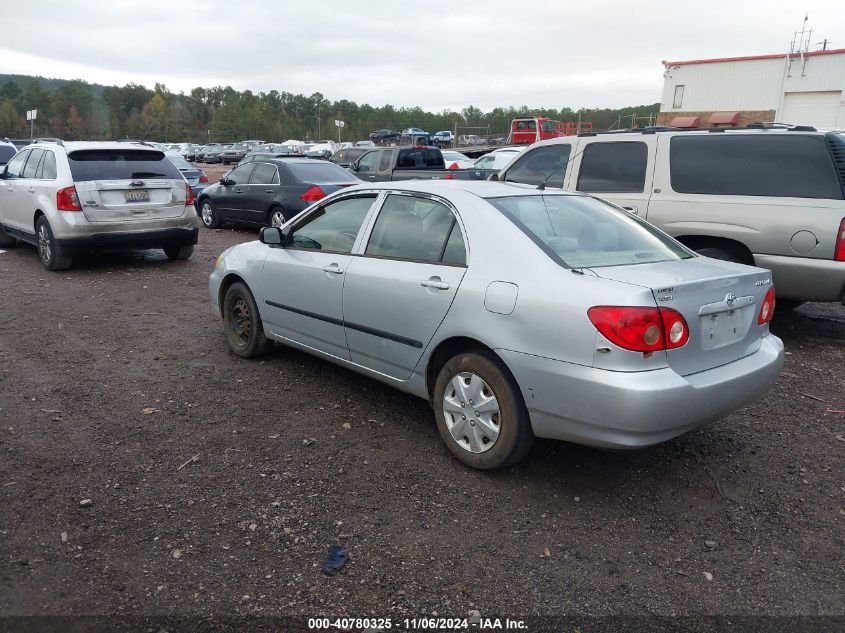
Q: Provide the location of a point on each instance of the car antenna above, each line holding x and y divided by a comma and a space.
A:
542, 185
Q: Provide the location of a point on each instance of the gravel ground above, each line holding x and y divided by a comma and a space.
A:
146, 470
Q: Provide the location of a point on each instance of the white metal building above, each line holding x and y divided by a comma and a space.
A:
801, 88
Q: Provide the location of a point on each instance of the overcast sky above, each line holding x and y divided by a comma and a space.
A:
436, 54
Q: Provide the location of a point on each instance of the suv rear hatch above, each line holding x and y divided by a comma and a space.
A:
720, 302
120, 185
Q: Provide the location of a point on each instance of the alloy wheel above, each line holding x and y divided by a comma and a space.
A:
472, 412
44, 249
277, 218
207, 214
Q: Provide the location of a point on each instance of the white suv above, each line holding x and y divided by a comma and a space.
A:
69, 198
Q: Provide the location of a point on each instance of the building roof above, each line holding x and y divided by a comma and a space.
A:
748, 58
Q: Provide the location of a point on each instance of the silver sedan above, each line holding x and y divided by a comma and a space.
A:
518, 313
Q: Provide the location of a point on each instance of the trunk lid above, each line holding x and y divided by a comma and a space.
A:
720, 302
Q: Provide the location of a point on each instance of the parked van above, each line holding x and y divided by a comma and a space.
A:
769, 196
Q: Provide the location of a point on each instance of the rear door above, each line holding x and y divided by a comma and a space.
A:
618, 171
127, 185
399, 289
303, 282
261, 192
549, 164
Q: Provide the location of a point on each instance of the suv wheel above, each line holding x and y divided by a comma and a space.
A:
49, 252
180, 251
208, 214
242, 323
480, 413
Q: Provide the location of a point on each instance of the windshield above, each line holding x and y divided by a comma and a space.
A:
179, 162
319, 172
120, 164
582, 232
454, 156
6, 152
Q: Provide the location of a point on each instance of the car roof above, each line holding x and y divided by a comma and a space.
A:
73, 146
480, 188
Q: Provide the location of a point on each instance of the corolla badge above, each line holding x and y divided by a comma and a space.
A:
730, 299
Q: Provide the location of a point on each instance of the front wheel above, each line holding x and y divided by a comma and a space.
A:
208, 215
181, 251
242, 323
49, 252
480, 413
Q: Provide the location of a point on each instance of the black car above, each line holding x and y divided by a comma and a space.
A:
264, 156
270, 191
383, 136
348, 155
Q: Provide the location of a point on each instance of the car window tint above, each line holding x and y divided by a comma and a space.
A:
240, 175
613, 167
6, 153
15, 166
584, 232
419, 157
797, 166
455, 251
411, 228
120, 164
39, 173
179, 162
333, 227
486, 162
386, 158
547, 163
368, 161
31, 168
320, 172
265, 174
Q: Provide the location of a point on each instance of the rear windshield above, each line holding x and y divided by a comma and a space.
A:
320, 172
120, 164
582, 232
6, 152
420, 158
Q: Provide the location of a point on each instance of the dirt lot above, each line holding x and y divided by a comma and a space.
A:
115, 374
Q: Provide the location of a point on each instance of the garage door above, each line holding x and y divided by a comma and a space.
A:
819, 109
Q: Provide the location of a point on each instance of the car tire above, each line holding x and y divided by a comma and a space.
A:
242, 323
180, 251
468, 438
208, 215
49, 252
6, 240
720, 253
276, 216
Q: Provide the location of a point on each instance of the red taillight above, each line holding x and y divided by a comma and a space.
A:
449, 177
454, 166
640, 329
313, 194
189, 195
839, 252
767, 310
67, 200
203, 178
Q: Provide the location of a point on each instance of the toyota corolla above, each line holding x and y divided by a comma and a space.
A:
518, 313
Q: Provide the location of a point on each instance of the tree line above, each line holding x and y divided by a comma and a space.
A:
77, 110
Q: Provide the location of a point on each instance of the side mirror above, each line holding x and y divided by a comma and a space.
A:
274, 235
493, 177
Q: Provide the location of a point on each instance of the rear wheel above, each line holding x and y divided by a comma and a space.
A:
49, 252
181, 251
208, 214
480, 413
720, 253
276, 217
242, 323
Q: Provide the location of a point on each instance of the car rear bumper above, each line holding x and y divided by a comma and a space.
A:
155, 238
625, 410
805, 278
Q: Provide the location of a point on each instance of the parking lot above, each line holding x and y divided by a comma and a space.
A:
145, 469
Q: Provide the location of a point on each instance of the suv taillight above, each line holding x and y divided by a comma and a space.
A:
640, 329
67, 200
203, 178
189, 195
839, 252
313, 194
767, 310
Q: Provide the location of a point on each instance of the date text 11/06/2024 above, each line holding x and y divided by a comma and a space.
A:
418, 624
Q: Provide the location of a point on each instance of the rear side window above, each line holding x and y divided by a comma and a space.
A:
120, 164
31, 168
265, 174
796, 166
544, 164
420, 158
47, 167
416, 229
613, 167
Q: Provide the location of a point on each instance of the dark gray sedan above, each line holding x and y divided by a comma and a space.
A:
270, 191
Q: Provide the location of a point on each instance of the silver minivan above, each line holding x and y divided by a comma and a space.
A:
770, 196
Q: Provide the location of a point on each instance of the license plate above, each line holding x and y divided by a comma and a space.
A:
141, 195
723, 329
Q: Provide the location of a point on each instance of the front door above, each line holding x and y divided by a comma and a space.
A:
230, 198
13, 194
399, 290
303, 282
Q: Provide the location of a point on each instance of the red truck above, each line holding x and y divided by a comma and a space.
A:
531, 130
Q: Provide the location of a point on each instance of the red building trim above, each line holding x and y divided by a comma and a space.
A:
749, 58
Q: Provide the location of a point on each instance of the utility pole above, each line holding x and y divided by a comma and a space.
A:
319, 134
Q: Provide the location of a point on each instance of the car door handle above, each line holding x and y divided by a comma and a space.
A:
434, 282
633, 210
269, 191
334, 268
372, 178
238, 191
31, 190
